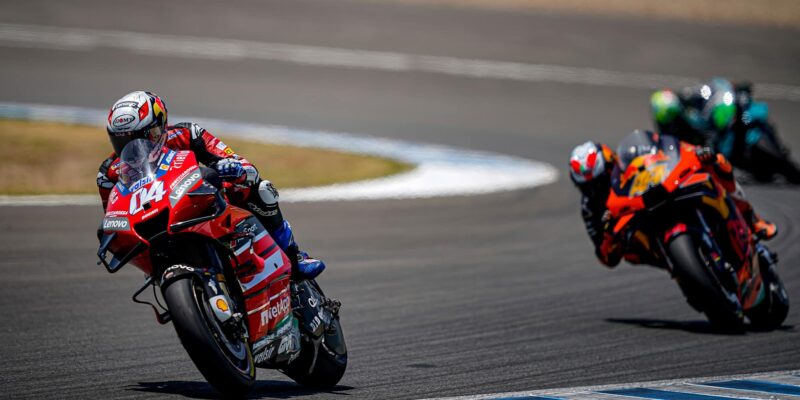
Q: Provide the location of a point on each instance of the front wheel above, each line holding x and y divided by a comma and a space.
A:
701, 287
224, 360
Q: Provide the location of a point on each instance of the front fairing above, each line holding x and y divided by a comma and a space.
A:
143, 208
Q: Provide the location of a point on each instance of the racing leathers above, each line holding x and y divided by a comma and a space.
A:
249, 191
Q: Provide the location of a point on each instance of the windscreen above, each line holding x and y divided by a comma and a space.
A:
138, 160
636, 144
645, 161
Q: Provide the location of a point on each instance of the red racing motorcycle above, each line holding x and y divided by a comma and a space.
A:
225, 284
670, 212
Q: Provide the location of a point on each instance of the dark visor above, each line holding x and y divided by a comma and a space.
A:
119, 140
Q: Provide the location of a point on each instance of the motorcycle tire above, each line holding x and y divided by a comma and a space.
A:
701, 287
321, 363
231, 372
322, 366
791, 171
773, 310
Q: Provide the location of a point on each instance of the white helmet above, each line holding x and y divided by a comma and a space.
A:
137, 115
586, 162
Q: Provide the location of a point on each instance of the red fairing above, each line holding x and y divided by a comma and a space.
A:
260, 265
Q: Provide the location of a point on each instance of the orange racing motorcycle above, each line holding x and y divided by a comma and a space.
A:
225, 283
670, 212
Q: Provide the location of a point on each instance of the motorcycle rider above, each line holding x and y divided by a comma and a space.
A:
591, 167
721, 114
703, 114
143, 115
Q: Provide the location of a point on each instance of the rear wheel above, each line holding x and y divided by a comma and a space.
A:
773, 310
701, 287
322, 362
223, 359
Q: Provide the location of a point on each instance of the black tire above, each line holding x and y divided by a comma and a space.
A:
701, 288
231, 374
773, 310
330, 364
791, 171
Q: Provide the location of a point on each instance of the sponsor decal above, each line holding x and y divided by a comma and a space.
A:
264, 355
228, 151
284, 346
287, 324
123, 120
171, 270
222, 305
140, 184
164, 167
180, 189
180, 158
145, 195
246, 227
116, 213
312, 302
261, 212
180, 177
314, 324
221, 146
115, 224
270, 313
131, 104
112, 198
150, 213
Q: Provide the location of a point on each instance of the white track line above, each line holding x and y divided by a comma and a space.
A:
440, 170
49, 37
690, 385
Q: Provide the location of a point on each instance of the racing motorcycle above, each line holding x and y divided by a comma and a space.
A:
670, 212
225, 284
753, 144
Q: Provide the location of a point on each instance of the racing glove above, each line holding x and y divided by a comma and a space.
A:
229, 168
705, 154
103, 181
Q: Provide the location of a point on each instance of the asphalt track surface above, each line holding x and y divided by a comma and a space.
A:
442, 297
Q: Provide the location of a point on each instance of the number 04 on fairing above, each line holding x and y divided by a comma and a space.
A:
225, 282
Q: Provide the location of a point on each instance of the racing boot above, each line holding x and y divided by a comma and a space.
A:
762, 228
264, 205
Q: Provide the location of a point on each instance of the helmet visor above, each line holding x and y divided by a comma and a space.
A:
120, 139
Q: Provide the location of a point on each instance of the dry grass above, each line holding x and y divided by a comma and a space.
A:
46, 157
783, 13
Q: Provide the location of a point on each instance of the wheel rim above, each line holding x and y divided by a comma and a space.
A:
236, 351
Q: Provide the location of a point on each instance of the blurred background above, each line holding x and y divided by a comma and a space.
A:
445, 296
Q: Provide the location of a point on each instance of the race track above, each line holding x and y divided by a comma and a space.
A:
442, 297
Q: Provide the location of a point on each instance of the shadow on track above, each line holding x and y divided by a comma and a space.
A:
203, 390
697, 326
